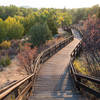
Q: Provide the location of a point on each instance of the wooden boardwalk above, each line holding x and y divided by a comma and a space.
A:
53, 81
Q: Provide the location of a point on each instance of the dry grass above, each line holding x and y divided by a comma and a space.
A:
80, 66
85, 65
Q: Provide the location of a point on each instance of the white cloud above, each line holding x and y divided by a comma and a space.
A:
51, 3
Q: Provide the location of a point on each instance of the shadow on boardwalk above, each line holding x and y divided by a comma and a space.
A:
65, 88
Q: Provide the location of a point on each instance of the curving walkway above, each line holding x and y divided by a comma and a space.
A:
53, 81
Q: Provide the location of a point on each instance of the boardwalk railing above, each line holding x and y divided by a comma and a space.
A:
81, 80
22, 89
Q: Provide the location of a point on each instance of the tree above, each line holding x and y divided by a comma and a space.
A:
52, 21
15, 29
39, 33
6, 11
3, 30
28, 22
64, 19
47, 16
67, 19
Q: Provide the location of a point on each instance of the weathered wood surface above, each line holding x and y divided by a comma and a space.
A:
22, 90
53, 81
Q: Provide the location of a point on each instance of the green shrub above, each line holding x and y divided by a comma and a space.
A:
3, 30
39, 33
5, 61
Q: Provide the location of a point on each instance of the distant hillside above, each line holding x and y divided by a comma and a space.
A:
26, 6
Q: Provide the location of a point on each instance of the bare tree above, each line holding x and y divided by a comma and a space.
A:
27, 56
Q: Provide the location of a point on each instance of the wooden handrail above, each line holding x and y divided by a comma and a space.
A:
7, 87
88, 89
18, 90
5, 93
92, 79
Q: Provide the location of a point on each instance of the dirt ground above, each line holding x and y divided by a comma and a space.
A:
12, 73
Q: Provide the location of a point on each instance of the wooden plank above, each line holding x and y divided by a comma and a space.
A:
51, 76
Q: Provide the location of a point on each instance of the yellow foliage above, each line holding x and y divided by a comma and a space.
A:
45, 12
61, 18
79, 66
5, 44
92, 85
1, 20
11, 21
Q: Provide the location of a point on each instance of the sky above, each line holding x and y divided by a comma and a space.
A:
51, 3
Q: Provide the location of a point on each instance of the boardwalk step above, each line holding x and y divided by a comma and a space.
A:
67, 97
46, 98
57, 95
70, 92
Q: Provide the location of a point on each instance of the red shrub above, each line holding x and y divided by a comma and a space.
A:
27, 57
